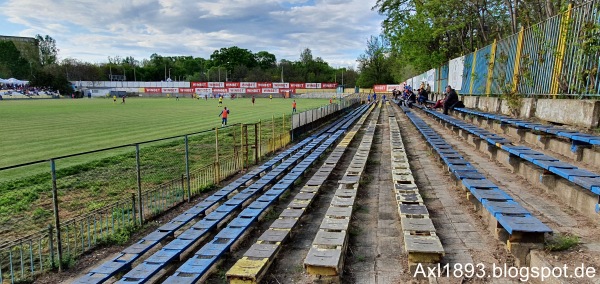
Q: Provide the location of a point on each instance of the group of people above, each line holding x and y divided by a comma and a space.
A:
409, 98
449, 101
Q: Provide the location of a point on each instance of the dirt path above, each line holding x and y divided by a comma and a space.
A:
376, 249
288, 267
545, 207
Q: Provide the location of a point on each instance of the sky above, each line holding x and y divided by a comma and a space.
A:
92, 30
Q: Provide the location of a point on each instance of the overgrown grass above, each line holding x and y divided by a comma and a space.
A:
560, 242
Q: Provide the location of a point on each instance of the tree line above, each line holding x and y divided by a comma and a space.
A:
418, 35
225, 64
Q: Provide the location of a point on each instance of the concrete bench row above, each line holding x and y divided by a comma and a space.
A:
575, 145
326, 255
123, 262
199, 266
129, 255
204, 229
213, 221
508, 220
421, 242
256, 261
578, 187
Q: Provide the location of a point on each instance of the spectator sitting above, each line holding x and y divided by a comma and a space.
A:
422, 96
451, 99
412, 98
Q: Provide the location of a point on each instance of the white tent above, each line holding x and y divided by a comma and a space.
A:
16, 81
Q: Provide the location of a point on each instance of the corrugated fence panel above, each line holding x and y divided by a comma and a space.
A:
504, 64
466, 82
580, 65
444, 77
539, 46
481, 70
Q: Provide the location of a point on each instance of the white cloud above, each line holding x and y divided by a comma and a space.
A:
334, 30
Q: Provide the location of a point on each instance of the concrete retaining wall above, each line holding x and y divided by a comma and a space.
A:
573, 112
582, 113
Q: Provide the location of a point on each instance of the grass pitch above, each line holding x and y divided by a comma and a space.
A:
42, 129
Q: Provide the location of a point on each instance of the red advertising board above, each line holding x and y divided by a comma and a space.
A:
237, 90
199, 84
253, 91
264, 85
187, 90
283, 91
313, 85
329, 85
270, 91
153, 90
232, 84
170, 90
281, 85
216, 84
219, 90
203, 90
297, 86
380, 88
248, 84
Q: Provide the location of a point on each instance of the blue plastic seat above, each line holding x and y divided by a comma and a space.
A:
545, 164
494, 194
468, 174
590, 183
478, 184
529, 224
570, 173
505, 207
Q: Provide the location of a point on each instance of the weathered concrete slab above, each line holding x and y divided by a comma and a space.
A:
335, 224
323, 261
338, 212
287, 223
274, 236
423, 244
330, 238
417, 224
261, 250
292, 213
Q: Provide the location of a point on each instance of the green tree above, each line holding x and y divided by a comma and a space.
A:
374, 63
233, 56
265, 60
48, 49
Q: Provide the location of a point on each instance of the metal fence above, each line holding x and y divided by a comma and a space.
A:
101, 197
559, 56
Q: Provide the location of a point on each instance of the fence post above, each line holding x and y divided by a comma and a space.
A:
183, 189
517, 68
187, 169
260, 138
51, 242
273, 136
133, 206
242, 144
246, 151
235, 152
282, 129
256, 144
56, 212
139, 182
217, 165
560, 50
490, 74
